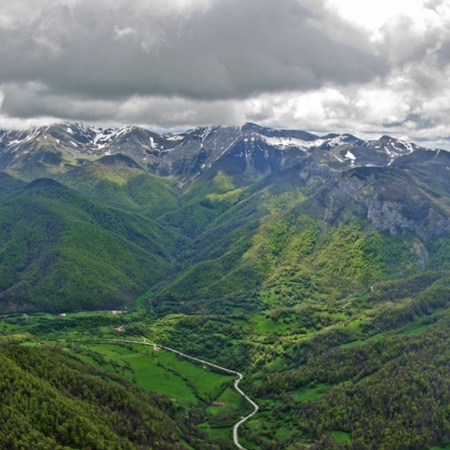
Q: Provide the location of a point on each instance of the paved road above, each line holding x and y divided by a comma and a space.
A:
202, 361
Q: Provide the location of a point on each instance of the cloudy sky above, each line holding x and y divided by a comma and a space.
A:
369, 68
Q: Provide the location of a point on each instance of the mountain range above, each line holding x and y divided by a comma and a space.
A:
252, 149
92, 216
317, 266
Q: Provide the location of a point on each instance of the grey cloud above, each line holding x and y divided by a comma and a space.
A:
415, 120
223, 61
443, 54
31, 100
232, 50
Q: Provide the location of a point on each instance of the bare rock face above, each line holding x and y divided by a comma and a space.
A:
391, 201
386, 216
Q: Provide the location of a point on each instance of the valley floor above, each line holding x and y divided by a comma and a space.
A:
313, 370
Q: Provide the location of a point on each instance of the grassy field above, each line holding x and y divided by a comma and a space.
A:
263, 425
188, 383
216, 433
231, 399
163, 372
415, 330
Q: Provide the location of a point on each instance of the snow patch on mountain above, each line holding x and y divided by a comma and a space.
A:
283, 143
104, 137
265, 150
175, 138
350, 155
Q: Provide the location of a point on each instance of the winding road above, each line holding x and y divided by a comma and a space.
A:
202, 361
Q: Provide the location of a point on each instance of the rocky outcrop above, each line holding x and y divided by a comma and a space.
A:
390, 203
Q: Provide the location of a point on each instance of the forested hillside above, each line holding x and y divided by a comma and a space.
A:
317, 266
51, 399
62, 251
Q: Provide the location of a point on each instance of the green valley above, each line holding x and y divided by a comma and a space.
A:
323, 279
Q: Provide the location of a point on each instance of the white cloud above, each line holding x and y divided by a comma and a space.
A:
373, 16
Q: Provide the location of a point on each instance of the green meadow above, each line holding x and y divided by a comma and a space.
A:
162, 371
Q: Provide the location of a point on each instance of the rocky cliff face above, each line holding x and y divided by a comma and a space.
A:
391, 201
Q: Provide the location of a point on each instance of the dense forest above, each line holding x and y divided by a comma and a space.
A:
51, 399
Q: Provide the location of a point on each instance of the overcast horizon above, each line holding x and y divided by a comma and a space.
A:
366, 68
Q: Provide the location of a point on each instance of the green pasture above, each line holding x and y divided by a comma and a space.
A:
374, 338
216, 433
266, 325
264, 425
230, 397
164, 372
414, 330
185, 444
283, 433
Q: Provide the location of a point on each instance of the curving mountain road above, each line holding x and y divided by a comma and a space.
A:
202, 361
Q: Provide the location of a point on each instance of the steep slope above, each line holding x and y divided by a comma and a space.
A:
411, 195
333, 234
61, 251
51, 399
237, 210
117, 181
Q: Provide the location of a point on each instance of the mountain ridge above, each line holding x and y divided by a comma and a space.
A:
190, 154
216, 192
